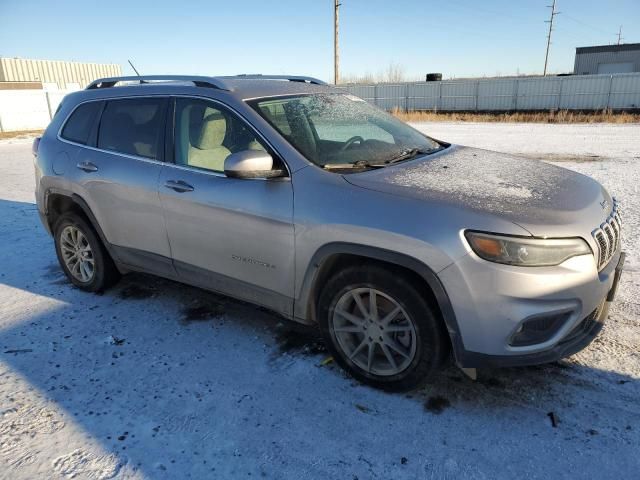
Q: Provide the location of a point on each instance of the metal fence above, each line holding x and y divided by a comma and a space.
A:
580, 92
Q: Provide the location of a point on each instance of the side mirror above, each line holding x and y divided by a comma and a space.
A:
251, 164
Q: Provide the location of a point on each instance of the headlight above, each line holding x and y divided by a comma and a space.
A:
526, 252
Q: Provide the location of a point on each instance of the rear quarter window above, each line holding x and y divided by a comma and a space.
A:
80, 123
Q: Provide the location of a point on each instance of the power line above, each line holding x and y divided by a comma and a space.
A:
493, 13
584, 24
619, 36
550, 22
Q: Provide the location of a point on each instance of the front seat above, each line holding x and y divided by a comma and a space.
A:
207, 150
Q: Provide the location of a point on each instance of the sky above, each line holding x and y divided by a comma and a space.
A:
459, 38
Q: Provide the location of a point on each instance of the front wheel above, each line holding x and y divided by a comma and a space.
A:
380, 329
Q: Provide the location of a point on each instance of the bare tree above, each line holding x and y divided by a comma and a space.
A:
394, 73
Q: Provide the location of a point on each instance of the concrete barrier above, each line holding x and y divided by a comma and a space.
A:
28, 109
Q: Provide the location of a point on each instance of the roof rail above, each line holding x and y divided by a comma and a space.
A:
198, 81
291, 78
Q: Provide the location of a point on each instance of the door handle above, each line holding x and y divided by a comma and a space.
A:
178, 186
87, 167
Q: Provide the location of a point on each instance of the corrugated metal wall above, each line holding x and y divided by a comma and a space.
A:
584, 92
587, 63
64, 74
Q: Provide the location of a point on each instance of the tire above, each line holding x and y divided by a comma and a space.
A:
72, 233
414, 336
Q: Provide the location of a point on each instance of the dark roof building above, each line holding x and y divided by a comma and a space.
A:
624, 58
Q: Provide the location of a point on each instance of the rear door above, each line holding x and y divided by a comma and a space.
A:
231, 235
117, 175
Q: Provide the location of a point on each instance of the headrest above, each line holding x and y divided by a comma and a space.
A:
212, 131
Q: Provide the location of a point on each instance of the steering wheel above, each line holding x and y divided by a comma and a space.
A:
351, 141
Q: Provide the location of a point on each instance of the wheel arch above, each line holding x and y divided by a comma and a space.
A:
59, 202
334, 256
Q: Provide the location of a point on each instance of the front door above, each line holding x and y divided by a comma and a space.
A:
231, 235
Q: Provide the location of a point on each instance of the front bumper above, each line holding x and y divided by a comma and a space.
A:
584, 334
491, 306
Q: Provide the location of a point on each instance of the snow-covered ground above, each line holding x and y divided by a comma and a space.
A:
158, 380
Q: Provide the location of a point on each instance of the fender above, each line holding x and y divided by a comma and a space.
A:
94, 222
84, 206
301, 305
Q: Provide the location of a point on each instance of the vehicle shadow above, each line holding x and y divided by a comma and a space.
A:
168, 381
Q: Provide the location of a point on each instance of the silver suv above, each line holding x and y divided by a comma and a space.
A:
293, 195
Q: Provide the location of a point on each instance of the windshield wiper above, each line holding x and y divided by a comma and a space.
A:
407, 154
349, 166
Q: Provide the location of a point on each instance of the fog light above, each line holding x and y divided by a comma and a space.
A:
538, 329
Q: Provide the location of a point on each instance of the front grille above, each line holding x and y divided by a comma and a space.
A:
608, 236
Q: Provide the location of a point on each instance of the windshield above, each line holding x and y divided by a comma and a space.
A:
334, 130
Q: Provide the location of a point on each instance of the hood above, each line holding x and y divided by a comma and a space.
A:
544, 199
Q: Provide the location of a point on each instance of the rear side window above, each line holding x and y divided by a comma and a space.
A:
133, 126
78, 127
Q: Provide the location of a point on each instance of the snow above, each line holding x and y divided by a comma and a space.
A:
449, 175
157, 380
488, 181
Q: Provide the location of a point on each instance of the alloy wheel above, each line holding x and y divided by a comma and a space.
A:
77, 254
374, 331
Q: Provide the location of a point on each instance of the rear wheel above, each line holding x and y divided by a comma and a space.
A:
380, 329
82, 255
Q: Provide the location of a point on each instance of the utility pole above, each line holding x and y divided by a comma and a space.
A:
620, 35
336, 53
550, 22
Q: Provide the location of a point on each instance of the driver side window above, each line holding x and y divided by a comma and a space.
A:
205, 135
